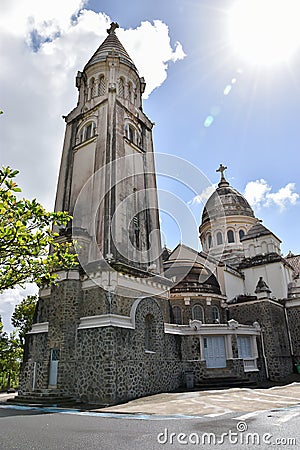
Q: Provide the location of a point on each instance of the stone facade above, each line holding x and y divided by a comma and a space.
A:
110, 364
103, 364
293, 316
115, 328
271, 317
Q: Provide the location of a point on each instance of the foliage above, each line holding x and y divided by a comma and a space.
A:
23, 315
10, 361
12, 347
11, 353
26, 234
3, 338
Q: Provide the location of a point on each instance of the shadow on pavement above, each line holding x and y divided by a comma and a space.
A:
7, 410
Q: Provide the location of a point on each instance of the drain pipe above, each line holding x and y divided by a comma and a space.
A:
264, 353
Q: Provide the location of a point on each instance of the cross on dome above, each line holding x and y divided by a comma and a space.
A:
112, 28
223, 182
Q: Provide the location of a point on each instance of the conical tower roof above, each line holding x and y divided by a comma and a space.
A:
111, 45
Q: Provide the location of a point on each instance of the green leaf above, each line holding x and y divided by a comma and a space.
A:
26, 233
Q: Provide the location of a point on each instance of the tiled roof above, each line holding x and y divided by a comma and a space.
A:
294, 261
257, 230
111, 45
259, 260
226, 201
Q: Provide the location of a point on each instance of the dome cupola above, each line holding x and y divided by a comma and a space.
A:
225, 201
226, 218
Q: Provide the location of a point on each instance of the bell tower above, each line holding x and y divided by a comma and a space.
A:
107, 175
98, 332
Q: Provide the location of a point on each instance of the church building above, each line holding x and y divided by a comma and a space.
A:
133, 318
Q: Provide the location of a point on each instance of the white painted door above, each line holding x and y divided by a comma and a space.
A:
215, 352
54, 359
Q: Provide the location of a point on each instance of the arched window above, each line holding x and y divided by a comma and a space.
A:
215, 314
209, 240
81, 135
129, 92
101, 86
130, 133
134, 96
219, 238
139, 139
197, 313
92, 88
241, 234
150, 333
121, 87
86, 132
177, 315
230, 236
89, 131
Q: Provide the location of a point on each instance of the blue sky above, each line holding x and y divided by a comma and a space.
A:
210, 104
255, 131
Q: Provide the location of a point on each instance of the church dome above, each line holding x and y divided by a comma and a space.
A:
226, 219
226, 201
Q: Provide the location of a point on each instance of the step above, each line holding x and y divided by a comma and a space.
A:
41, 398
31, 399
219, 376
224, 385
46, 391
41, 395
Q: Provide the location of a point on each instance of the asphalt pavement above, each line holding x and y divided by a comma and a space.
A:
41, 429
211, 403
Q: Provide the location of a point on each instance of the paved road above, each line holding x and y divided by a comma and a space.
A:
34, 429
213, 403
229, 419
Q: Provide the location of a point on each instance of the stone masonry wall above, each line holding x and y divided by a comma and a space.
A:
36, 349
63, 316
294, 326
95, 302
63, 322
272, 320
113, 364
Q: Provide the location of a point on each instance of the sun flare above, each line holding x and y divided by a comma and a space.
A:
265, 32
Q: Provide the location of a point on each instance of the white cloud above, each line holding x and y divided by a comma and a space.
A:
259, 194
47, 17
284, 196
42, 45
203, 196
256, 192
152, 41
9, 299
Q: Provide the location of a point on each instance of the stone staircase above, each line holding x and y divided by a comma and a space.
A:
222, 381
44, 397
